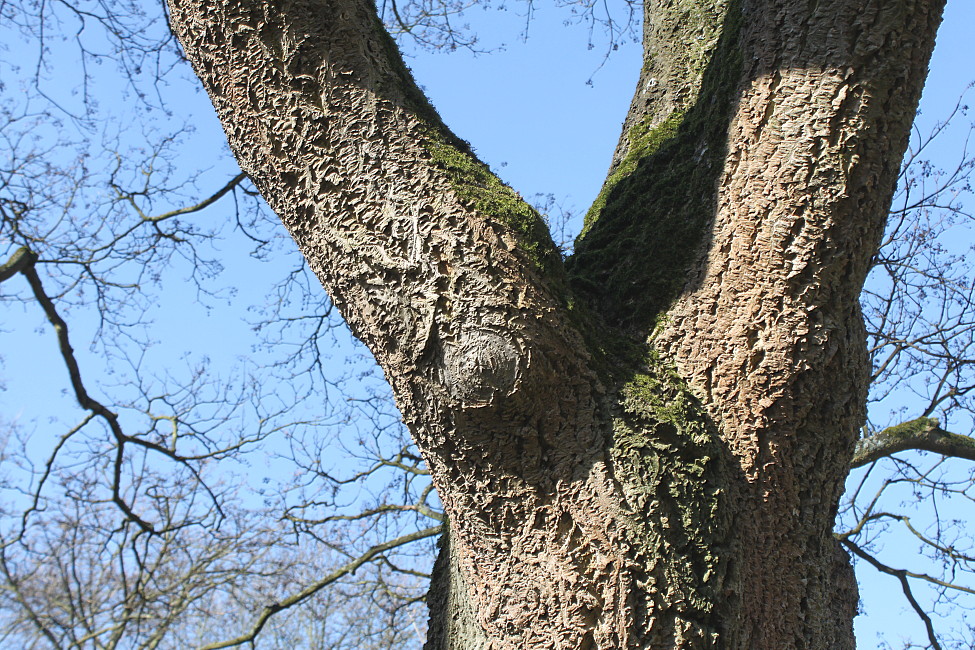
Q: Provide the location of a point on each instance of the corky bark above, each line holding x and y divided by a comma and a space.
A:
643, 448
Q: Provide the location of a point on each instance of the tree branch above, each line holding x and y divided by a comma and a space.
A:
902, 576
312, 589
922, 434
24, 261
22, 258
387, 254
189, 209
86, 401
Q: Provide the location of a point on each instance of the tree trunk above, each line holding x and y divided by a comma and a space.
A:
642, 447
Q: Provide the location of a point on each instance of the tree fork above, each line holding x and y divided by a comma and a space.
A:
643, 450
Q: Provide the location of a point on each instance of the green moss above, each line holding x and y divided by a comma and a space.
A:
661, 397
911, 428
479, 189
476, 186
644, 141
647, 224
672, 472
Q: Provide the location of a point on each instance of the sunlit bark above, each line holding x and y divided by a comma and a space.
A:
643, 447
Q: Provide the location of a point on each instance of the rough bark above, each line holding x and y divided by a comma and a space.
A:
829, 92
764, 323
643, 449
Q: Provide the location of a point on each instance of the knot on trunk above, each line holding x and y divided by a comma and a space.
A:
480, 365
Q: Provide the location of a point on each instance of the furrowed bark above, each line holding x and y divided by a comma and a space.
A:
646, 452
457, 289
821, 123
743, 269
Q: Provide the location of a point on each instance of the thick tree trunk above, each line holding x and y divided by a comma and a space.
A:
643, 448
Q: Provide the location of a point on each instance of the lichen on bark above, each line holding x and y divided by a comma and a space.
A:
673, 476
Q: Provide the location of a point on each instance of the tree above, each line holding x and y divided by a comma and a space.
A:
643, 445
295, 548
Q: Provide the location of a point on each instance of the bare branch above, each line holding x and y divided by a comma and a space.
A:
922, 434
84, 399
311, 590
22, 258
902, 576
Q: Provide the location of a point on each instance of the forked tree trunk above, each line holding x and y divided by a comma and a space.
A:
642, 447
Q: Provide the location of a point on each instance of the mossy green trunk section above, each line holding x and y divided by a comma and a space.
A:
674, 476
649, 221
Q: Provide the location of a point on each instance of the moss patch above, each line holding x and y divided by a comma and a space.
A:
912, 428
644, 141
672, 471
647, 225
476, 186
659, 395
650, 221
480, 190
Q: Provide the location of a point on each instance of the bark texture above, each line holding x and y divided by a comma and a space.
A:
815, 144
642, 448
